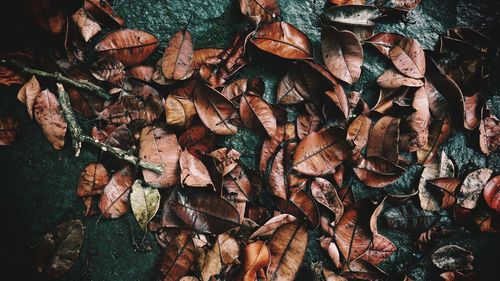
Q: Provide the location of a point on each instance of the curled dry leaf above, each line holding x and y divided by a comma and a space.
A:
352, 233
114, 200
358, 132
193, 171
59, 249
492, 193
333, 252
145, 202
446, 188
87, 26
180, 111
198, 140
214, 110
383, 140
9, 128
257, 114
471, 111
108, 69
287, 248
91, 182
277, 178
320, 153
129, 46
439, 131
201, 56
342, 53
393, 79
226, 159
271, 225
436, 169
48, 115
384, 41
409, 58
102, 11
114, 136
260, 11
325, 193
377, 172
204, 211
177, 59
28, 93
282, 39
160, 147
453, 257
255, 258
469, 193
133, 109
306, 204
489, 132
380, 249
178, 257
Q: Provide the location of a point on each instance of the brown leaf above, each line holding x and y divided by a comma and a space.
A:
178, 257
328, 245
83, 104
160, 147
257, 114
142, 72
88, 27
114, 200
469, 193
492, 193
132, 109
120, 136
358, 132
439, 131
387, 97
471, 111
180, 111
325, 193
342, 53
277, 178
92, 181
352, 233
436, 169
178, 56
282, 39
260, 11
380, 249
237, 88
102, 11
271, 146
226, 159
59, 249
9, 128
417, 133
28, 93
328, 274
308, 123
225, 251
446, 187
238, 184
384, 138
193, 171
384, 41
347, 2
489, 132
320, 153
214, 110
48, 15
255, 258
108, 69
198, 140
204, 211
377, 172
49, 116
201, 56
393, 79
287, 247
271, 225
409, 58
303, 201
129, 46
362, 270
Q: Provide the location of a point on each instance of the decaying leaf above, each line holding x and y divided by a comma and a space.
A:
114, 200
325, 194
492, 193
393, 79
384, 41
59, 249
92, 181
342, 53
214, 110
87, 26
226, 159
443, 168
193, 171
489, 132
287, 247
112, 135
177, 59
198, 140
255, 257
145, 202
383, 140
358, 133
178, 257
380, 249
409, 58
160, 147
108, 69
9, 128
472, 187
257, 114
453, 257
282, 39
224, 252
48, 115
180, 111
439, 131
129, 46
28, 93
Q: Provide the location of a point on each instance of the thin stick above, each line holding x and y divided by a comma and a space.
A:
81, 84
78, 137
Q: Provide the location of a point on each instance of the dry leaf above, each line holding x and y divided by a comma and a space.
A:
114, 200
282, 39
87, 26
472, 187
48, 115
9, 128
178, 56
28, 93
193, 171
145, 202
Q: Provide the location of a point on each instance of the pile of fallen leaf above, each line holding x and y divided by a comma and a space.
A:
205, 207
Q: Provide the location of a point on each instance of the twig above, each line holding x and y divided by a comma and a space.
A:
81, 84
78, 137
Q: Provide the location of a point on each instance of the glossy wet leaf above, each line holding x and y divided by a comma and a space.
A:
383, 139
129, 46
342, 53
93, 178
204, 211
287, 247
470, 192
9, 129
59, 249
257, 114
158, 146
409, 58
177, 59
282, 39
491, 193
114, 201
145, 202
48, 115
320, 153
178, 257
214, 110
260, 11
